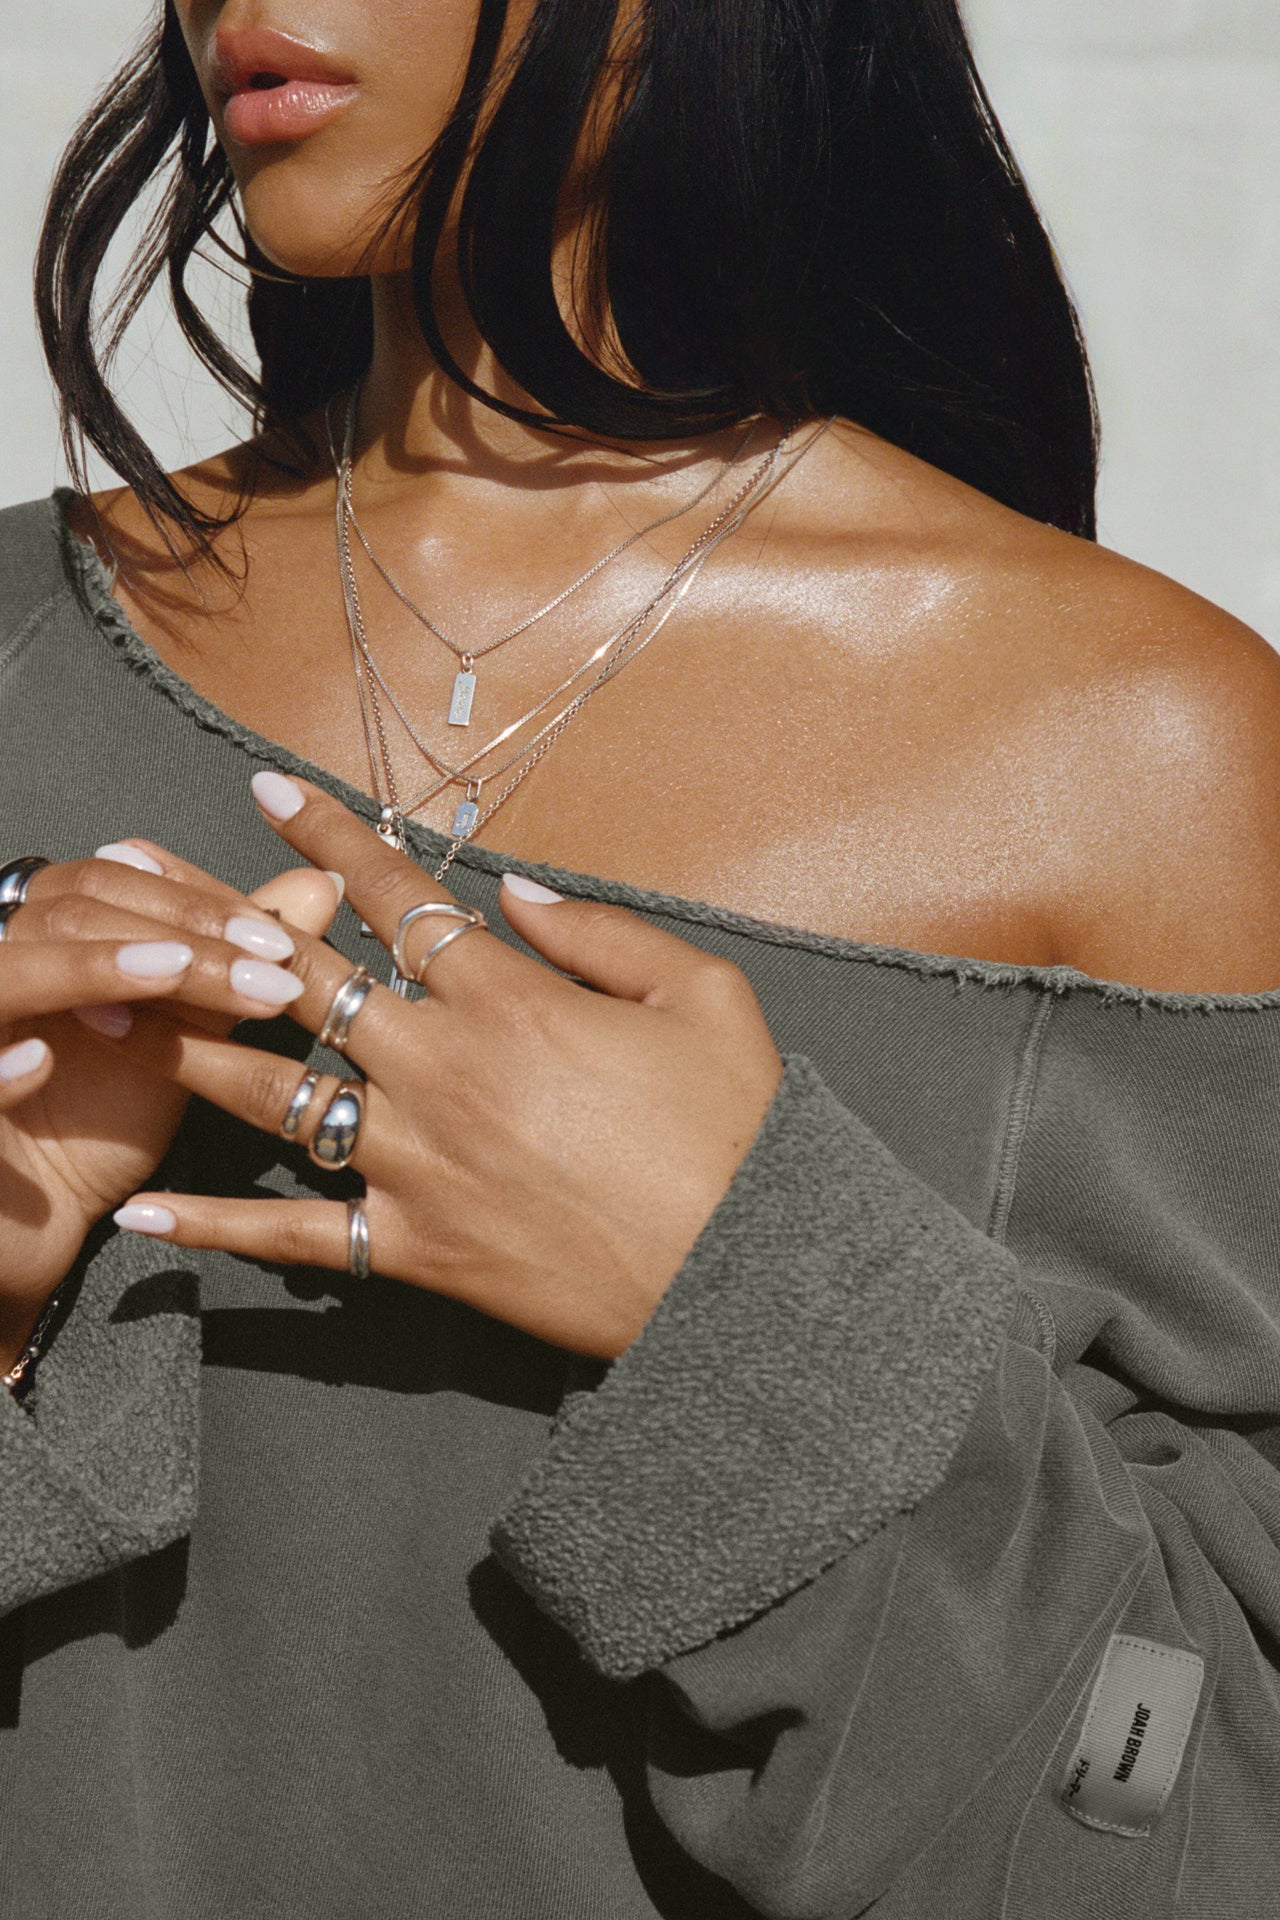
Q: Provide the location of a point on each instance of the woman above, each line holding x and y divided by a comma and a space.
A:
779, 1415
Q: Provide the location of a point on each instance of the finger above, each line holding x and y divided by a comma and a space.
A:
248, 1082
55, 977
382, 884
24, 1068
607, 947
286, 1233
174, 895
303, 897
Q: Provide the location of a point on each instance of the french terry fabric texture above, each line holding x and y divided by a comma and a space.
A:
324, 1598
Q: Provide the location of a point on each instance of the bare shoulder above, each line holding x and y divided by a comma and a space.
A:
1141, 722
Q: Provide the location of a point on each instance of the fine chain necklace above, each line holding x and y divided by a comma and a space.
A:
466, 823
370, 678
464, 683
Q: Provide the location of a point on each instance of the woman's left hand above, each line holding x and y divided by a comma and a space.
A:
545, 1153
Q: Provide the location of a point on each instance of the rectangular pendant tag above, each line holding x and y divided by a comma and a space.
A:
465, 818
1135, 1732
464, 686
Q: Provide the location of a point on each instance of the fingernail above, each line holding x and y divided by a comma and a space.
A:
264, 937
127, 856
338, 882
113, 1020
145, 1219
17, 1062
257, 981
152, 959
528, 889
277, 796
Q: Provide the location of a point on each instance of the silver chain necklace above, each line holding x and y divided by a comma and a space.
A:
372, 678
462, 695
616, 651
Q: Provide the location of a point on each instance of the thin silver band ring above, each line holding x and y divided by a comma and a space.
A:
357, 1240
472, 917
298, 1105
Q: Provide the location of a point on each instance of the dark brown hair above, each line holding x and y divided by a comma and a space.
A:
808, 207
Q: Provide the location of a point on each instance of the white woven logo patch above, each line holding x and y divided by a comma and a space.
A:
1135, 1733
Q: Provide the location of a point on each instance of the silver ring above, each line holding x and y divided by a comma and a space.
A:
16, 876
298, 1105
471, 915
7, 910
357, 1240
334, 1140
347, 1002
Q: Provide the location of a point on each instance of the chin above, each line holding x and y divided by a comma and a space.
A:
315, 227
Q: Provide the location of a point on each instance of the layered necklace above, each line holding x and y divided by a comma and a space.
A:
610, 656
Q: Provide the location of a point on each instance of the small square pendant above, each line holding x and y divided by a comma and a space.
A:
464, 687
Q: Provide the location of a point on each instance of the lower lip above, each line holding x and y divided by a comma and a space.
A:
259, 116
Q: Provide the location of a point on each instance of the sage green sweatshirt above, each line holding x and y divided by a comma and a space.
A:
920, 1558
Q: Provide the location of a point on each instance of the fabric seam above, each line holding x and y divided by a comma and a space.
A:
1021, 1101
23, 634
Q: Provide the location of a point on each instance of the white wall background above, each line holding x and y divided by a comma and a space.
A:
1150, 131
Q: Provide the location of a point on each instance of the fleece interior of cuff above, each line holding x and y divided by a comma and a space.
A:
808, 1375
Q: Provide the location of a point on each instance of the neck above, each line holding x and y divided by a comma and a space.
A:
415, 423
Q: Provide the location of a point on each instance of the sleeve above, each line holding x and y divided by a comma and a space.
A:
905, 1530
98, 1465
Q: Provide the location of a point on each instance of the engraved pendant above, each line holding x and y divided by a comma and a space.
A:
465, 817
464, 688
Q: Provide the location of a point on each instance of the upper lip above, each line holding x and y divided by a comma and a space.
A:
240, 54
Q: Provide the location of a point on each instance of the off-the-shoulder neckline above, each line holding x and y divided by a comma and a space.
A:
86, 571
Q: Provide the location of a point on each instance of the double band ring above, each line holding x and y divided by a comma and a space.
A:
470, 917
357, 1240
15, 877
347, 1002
334, 1140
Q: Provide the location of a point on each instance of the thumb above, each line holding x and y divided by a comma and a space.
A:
602, 946
305, 897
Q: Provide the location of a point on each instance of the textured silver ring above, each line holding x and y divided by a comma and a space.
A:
298, 1105
357, 1240
347, 1002
16, 876
334, 1140
471, 916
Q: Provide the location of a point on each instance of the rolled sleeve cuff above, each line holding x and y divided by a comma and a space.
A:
808, 1375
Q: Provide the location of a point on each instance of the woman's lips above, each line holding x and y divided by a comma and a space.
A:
274, 87
257, 115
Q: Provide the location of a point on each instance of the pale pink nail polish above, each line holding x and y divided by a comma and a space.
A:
277, 796
17, 1062
338, 882
266, 938
145, 1218
258, 981
153, 959
126, 856
525, 889
114, 1020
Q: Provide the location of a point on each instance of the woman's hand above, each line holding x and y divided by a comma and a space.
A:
545, 1153
80, 1126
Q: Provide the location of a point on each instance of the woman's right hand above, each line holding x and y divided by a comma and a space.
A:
80, 1126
